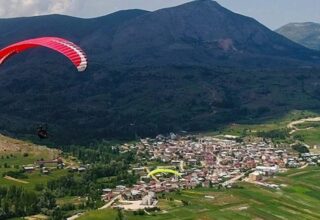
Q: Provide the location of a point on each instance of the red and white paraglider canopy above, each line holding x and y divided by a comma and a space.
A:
63, 46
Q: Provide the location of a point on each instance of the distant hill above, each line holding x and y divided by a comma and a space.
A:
306, 34
192, 67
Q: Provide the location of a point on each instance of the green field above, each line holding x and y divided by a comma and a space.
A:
15, 154
310, 136
266, 125
310, 133
34, 179
299, 198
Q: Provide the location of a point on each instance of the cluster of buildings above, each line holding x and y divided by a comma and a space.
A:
201, 161
311, 159
44, 166
47, 166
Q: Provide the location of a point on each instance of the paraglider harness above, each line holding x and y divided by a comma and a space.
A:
42, 132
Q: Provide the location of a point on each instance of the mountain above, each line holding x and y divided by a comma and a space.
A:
192, 67
199, 33
306, 34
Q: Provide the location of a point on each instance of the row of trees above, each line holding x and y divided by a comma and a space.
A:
16, 201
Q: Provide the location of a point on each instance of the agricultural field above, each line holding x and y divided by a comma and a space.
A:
267, 125
33, 179
310, 136
14, 154
281, 130
298, 198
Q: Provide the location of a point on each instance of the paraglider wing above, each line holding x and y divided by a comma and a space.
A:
152, 173
74, 53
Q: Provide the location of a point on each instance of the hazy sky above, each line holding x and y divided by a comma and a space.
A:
272, 13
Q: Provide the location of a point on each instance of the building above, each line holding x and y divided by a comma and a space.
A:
149, 199
255, 176
268, 171
28, 169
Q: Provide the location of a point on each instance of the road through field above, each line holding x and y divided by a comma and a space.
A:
292, 125
110, 203
15, 180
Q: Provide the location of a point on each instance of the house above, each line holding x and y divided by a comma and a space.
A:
120, 188
139, 170
28, 169
107, 190
45, 171
270, 170
82, 169
192, 162
149, 199
255, 176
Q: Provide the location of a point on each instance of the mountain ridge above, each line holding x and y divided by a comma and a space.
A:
306, 33
191, 67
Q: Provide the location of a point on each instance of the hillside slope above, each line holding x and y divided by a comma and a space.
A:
191, 67
13, 146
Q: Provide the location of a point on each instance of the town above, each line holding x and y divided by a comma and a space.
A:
201, 162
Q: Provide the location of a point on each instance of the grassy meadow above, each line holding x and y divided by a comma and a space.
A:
15, 154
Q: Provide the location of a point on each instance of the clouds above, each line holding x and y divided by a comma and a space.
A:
19, 8
79, 8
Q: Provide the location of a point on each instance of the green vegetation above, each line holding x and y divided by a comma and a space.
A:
12, 164
278, 131
308, 124
33, 180
71, 192
297, 199
100, 215
16, 201
80, 192
310, 136
271, 125
300, 148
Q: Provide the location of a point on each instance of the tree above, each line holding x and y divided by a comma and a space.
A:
47, 200
120, 215
57, 214
300, 148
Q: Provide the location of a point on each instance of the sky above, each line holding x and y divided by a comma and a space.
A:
272, 13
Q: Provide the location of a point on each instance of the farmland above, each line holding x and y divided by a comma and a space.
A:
298, 198
15, 154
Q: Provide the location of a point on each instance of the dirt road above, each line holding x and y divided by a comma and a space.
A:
292, 125
110, 203
15, 180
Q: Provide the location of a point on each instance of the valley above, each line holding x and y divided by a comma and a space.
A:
168, 112
192, 73
240, 199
